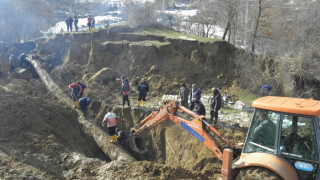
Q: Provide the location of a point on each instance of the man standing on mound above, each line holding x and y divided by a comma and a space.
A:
143, 88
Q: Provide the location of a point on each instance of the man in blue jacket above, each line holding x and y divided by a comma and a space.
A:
265, 90
195, 95
84, 103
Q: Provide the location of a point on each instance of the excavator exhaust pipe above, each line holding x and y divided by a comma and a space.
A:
135, 144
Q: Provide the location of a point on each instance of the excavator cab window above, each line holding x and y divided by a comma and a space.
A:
298, 144
298, 138
263, 132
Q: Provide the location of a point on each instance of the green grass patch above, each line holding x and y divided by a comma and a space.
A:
246, 97
115, 42
176, 35
140, 43
150, 43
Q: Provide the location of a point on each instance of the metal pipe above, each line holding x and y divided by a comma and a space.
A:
113, 151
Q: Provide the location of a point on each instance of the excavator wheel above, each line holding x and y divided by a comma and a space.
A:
135, 144
257, 173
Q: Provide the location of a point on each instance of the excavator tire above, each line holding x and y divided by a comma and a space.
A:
257, 173
135, 144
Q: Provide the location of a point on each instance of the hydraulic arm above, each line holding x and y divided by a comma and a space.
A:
197, 126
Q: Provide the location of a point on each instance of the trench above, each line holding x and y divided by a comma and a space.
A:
101, 138
167, 143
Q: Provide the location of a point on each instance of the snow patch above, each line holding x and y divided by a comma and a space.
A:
186, 38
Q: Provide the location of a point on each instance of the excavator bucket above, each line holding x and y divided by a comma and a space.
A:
135, 144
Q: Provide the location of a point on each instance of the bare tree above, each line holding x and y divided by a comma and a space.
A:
230, 10
257, 23
140, 14
206, 19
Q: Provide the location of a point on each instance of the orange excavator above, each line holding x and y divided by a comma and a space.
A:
282, 142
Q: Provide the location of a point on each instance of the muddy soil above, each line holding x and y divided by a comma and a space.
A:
42, 139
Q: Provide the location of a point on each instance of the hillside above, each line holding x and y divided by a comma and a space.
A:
42, 138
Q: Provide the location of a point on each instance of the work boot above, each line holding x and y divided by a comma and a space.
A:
115, 138
142, 103
112, 139
138, 103
75, 104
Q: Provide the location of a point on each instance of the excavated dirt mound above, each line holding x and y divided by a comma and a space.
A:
35, 131
40, 139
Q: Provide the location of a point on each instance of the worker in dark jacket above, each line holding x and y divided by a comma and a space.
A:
67, 23
143, 88
23, 60
125, 92
184, 93
125, 89
215, 104
84, 103
122, 138
70, 22
195, 95
76, 23
199, 108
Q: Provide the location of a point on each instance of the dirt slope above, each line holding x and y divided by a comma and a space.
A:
40, 139
97, 59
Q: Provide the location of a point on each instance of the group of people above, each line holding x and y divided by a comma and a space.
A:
69, 21
110, 119
91, 22
196, 105
143, 89
74, 20
21, 61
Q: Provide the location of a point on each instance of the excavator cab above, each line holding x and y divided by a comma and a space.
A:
282, 142
289, 132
